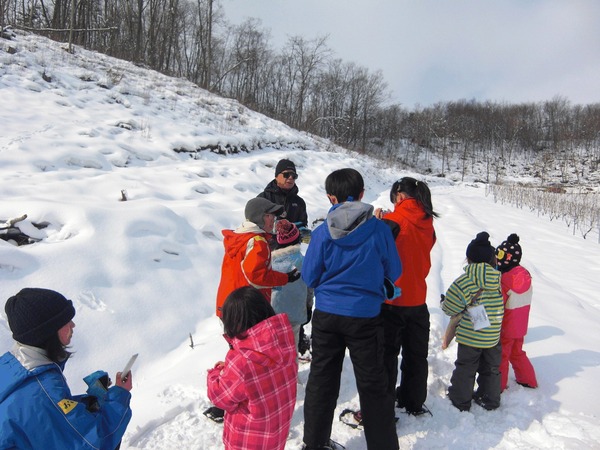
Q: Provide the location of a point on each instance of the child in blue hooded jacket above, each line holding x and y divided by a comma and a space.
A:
346, 262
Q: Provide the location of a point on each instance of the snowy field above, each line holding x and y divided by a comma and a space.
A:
143, 273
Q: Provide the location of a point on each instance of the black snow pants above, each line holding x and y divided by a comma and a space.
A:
406, 329
331, 335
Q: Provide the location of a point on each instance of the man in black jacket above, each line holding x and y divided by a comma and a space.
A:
283, 191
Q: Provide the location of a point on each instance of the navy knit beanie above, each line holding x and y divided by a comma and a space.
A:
35, 315
480, 249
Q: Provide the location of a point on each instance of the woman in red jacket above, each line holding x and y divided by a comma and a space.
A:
406, 318
517, 293
256, 385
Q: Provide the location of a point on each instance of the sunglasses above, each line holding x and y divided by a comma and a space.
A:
287, 175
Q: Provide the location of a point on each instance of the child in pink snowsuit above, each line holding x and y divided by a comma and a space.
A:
517, 292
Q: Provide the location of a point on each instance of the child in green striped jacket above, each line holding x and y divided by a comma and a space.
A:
479, 351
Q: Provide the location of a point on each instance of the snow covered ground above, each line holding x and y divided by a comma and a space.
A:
143, 273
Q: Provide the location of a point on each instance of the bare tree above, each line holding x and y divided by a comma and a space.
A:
305, 58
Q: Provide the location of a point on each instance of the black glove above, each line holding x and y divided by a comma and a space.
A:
90, 402
293, 275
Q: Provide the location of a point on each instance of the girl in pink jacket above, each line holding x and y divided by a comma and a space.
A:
517, 292
256, 385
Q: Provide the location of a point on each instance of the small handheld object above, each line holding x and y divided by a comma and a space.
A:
127, 369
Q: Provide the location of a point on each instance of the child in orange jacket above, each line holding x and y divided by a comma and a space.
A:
406, 318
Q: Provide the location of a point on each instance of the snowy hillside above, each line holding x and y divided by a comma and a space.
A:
79, 132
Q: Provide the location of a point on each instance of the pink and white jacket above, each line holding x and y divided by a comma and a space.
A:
257, 386
517, 293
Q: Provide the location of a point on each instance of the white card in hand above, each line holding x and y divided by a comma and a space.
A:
127, 368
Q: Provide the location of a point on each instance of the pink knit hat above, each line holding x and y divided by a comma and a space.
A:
287, 232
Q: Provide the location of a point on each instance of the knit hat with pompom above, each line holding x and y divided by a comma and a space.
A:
480, 249
287, 232
509, 253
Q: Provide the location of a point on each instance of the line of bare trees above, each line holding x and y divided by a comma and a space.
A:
304, 85
579, 209
545, 137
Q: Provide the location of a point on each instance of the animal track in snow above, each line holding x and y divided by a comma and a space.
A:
88, 299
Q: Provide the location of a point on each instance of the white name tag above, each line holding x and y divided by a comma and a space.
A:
479, 317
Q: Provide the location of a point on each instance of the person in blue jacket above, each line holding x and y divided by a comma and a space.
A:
347, 261
37, 409
293, 299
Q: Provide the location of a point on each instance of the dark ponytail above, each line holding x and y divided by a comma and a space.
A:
417, 190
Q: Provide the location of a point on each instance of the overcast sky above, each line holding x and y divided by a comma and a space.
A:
441, 50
